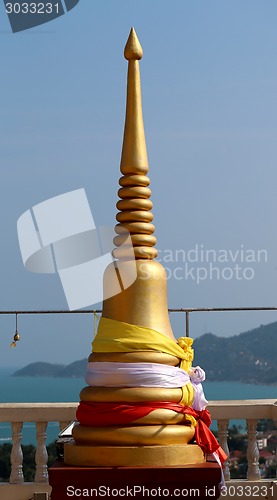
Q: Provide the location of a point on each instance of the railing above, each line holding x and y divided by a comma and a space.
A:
42, 413
39, 413
185, 310
251, 411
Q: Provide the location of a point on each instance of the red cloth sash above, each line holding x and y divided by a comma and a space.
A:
104, 414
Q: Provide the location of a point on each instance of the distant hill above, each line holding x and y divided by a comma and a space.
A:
250, 357
75, 369
40, 369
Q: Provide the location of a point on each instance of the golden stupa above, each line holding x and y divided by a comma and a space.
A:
135, 330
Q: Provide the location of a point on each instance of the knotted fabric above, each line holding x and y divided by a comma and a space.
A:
197, 375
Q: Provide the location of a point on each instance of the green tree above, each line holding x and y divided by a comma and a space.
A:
5, 466
266, 425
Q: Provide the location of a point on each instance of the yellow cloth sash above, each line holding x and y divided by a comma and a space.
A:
117, 336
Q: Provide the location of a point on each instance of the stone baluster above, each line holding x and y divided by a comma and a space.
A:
63, 424
41, 456
16, 476
222, 438
253, 472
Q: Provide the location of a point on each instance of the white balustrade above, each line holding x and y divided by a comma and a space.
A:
222, 439
64, 413
41, 414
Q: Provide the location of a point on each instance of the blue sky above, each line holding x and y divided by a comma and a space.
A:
209, 81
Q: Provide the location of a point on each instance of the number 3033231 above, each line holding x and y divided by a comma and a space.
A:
32, 8
248, 491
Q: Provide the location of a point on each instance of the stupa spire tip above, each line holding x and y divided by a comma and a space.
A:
134, 206
133, 49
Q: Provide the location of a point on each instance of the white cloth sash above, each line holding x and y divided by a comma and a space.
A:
106, 374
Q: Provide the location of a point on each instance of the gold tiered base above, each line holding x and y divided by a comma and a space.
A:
129, 394
132, 456
160, 438
137, 435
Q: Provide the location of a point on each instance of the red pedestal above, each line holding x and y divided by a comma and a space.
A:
190, 481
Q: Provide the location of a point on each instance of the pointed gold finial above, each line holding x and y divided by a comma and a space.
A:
134, 154
135, 206
133, 49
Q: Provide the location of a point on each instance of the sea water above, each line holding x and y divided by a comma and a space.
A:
50, 389
35, 390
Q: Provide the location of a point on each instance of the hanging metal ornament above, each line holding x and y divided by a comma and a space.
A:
16, 336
